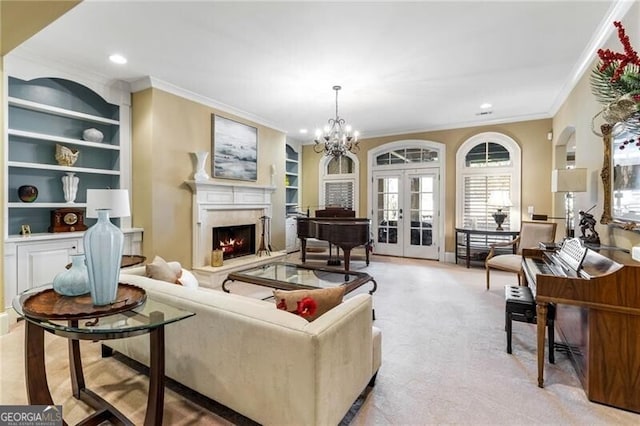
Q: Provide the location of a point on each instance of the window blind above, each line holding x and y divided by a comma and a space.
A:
338, 193
477, 188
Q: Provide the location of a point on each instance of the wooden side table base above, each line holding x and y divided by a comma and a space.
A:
38, 388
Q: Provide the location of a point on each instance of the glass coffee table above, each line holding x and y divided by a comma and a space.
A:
292, 276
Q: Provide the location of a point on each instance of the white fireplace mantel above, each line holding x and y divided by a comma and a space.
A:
224, 204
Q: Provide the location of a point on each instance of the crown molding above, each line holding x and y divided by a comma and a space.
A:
453, 126
616, 12
152, 82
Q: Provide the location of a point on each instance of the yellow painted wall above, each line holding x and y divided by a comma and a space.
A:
577, 111
536, 166
20, 19
166, 130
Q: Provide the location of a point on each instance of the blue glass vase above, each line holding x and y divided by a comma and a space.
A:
73, 281
103, 246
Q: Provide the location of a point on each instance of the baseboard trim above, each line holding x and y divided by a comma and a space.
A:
449, 257
4, 323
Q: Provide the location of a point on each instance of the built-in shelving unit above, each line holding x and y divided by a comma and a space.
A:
48, 106
292, 180
43, 113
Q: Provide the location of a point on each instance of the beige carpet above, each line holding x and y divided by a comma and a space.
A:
444, 362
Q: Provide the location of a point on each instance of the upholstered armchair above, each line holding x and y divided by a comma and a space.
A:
531, 233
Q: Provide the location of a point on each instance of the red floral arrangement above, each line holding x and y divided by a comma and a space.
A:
615, 82
609, 57
306, 307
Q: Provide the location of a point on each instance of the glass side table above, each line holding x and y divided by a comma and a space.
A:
148, 316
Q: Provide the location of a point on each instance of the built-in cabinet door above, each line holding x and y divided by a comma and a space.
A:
291, 233
39, 263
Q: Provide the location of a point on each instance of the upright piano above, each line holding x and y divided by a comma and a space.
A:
345, 232
597, 298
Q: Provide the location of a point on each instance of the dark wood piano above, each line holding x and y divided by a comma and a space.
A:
344, 232
597, 302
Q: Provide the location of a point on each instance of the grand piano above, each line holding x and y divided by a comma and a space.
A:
597, 299
344, 232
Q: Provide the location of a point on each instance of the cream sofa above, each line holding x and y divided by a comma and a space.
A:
269, 365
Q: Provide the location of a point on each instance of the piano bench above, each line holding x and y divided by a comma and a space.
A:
521, 306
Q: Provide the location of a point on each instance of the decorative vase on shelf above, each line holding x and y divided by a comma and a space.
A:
70, 186
27, 193
73, 281
104, 245
92, 135
66, 156
200, 174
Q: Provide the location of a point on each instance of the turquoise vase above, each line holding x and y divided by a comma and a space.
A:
73, 281
103, 246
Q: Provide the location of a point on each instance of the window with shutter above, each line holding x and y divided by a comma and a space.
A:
338, 182
338, 193
487, 162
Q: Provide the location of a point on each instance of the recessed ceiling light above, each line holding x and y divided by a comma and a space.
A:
486, 105
118, 59
304, 131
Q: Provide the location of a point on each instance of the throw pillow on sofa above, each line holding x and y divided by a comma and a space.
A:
309, 304
187, 279
171, 272
159, 269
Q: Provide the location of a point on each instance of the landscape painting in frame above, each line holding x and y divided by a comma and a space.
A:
235, 149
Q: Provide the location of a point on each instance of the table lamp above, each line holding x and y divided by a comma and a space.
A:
104, 242
569, 181
500, 200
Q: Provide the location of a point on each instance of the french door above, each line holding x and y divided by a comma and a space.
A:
406, 213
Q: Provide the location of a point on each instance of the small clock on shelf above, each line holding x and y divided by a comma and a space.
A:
67, 220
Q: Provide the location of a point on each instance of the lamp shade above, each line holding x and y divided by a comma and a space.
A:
499, 199
569, 180
116, 200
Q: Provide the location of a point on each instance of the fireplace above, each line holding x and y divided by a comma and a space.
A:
234, 241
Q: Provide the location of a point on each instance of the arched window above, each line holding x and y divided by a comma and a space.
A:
338, 182
488, 167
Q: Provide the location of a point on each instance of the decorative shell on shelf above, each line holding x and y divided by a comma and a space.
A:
92, 135
66, 156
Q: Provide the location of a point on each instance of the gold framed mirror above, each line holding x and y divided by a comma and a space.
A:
621, 181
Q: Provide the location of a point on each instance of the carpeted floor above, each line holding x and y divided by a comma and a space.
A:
443, 362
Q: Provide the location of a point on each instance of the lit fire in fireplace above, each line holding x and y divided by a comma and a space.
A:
231, 245
235, 240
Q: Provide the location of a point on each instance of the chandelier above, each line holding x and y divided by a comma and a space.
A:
337, 138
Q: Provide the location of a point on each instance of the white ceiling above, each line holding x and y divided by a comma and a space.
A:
403, 66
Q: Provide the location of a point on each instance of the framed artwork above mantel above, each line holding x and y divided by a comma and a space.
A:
235, 149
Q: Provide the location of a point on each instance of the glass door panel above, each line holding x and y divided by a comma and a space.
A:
388, 214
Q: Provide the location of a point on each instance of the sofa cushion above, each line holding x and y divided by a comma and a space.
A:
187, 279
309, 304
159, 269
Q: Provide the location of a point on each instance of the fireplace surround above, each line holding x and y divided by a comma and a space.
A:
227, 204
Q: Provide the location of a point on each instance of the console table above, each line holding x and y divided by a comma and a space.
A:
473, 244
86, 322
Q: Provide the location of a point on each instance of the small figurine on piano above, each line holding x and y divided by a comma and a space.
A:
587, 227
